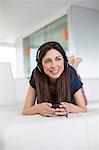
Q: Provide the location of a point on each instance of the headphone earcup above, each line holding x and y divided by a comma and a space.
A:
65, 63
40, 67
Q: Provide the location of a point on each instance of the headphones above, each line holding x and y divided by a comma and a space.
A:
39, 63
65, 62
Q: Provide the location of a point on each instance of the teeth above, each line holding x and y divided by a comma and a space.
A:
54, 71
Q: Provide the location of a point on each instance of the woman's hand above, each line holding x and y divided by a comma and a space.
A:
69, 108
63, 110
45, 109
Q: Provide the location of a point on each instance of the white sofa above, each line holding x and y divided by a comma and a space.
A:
80, 131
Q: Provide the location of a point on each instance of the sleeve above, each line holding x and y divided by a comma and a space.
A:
32, 80
76, 84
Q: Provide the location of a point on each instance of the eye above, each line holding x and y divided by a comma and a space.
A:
47, 61
58, 59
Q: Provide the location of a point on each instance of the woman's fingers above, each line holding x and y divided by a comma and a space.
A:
63, 109
66, 106
45, 109
60, 111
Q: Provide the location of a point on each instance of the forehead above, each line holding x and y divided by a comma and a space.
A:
52, 53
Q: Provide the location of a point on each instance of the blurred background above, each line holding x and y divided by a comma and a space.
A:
26, 24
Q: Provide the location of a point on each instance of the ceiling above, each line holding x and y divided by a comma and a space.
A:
20, 17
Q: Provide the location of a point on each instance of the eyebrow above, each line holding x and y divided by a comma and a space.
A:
50, 58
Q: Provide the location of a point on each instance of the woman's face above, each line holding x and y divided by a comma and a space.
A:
53, 64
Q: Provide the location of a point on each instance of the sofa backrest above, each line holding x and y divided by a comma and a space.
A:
7, 87
21, 85
91, 87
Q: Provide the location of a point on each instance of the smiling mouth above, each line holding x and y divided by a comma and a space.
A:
54, 71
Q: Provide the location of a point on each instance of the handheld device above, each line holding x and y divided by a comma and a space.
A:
55, 105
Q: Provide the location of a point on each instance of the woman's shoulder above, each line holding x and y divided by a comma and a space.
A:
72, 70
32, 78
33, 71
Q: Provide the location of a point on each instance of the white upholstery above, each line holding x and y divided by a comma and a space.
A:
7, 86
21, 85
80, 131
91, 87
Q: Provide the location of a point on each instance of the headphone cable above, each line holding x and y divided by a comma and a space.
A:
65, 110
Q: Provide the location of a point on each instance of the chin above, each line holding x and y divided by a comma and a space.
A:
54, 76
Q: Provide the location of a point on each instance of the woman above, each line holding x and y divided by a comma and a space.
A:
53, 81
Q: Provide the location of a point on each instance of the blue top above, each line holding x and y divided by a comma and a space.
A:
75, 84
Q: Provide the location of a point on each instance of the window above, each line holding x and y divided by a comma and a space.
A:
8, 54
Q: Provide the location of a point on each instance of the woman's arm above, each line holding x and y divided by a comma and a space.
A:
80, 103
72, 108
30, 108
29, 102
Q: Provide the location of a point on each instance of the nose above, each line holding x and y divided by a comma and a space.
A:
53, 64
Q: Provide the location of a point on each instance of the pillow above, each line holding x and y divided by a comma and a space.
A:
7, 87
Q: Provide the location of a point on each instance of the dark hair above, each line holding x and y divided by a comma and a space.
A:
42, 80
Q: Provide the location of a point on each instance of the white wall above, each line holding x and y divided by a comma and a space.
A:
83, 39
98, 39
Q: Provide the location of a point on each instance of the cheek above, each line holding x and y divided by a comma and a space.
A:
46, 67
62, 64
